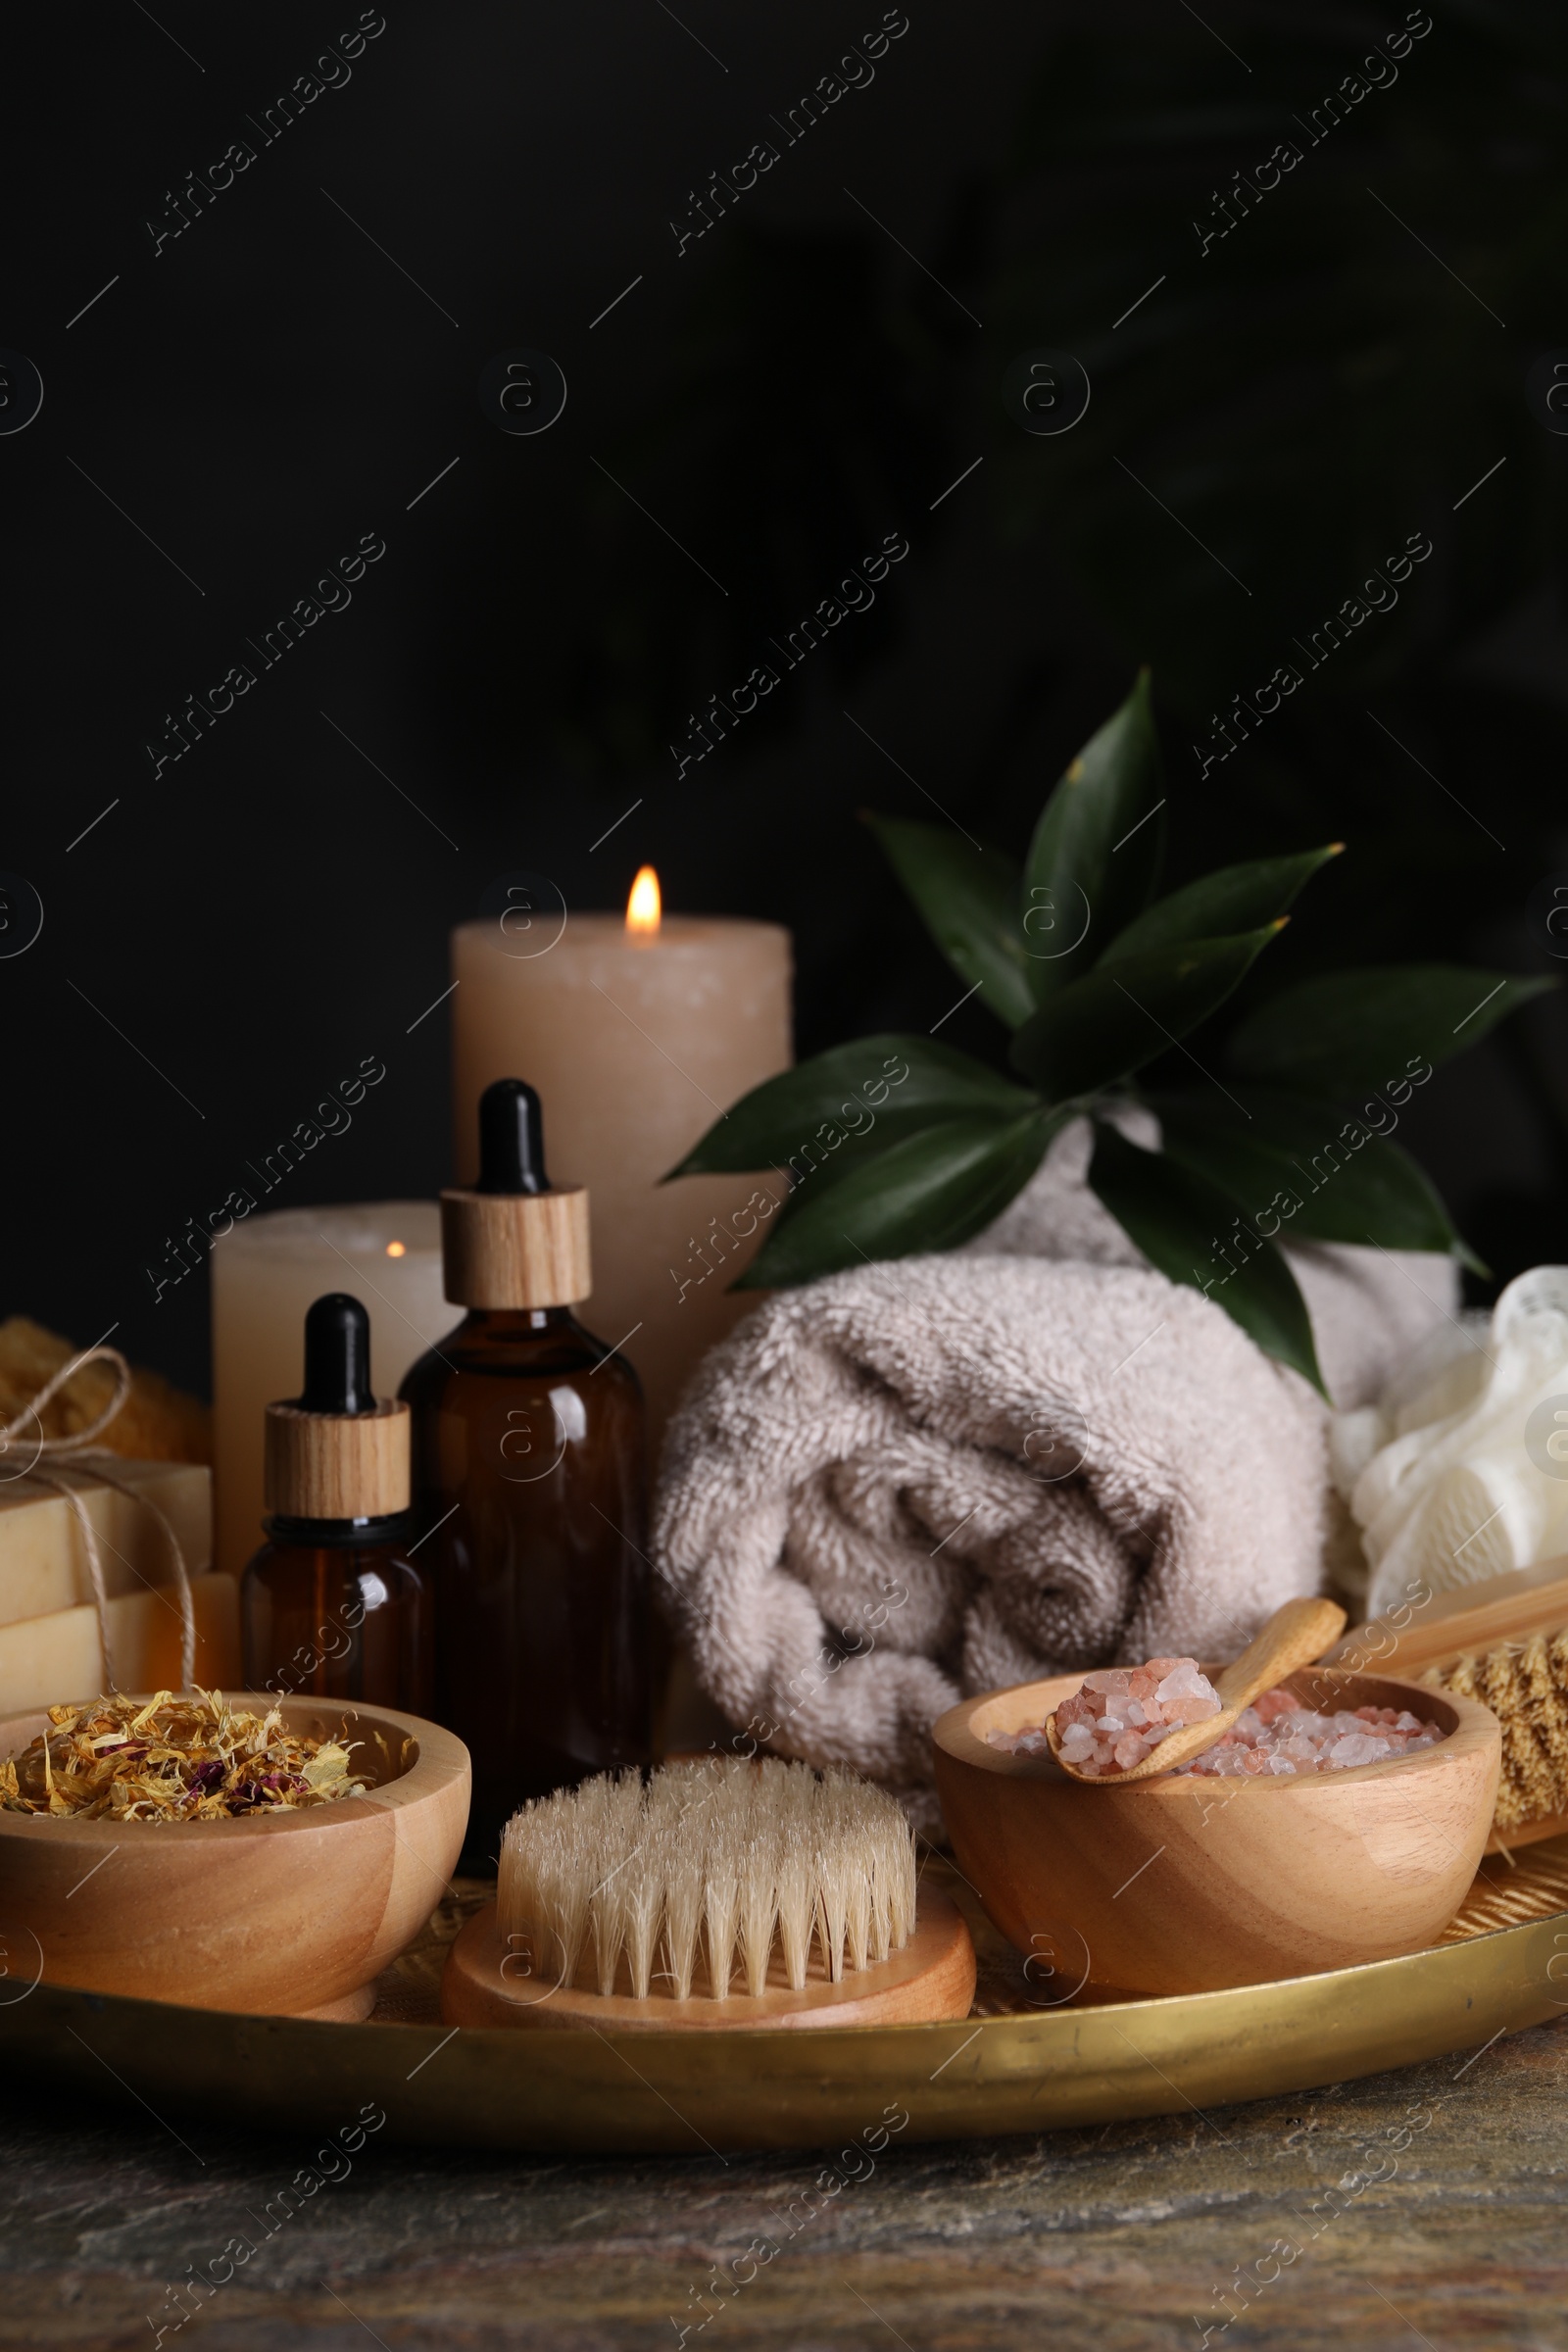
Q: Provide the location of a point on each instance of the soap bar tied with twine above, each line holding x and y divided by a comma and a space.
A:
78, 1452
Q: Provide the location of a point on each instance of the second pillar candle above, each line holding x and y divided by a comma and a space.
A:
637, 1034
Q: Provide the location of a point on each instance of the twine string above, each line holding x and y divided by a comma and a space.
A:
79, 1452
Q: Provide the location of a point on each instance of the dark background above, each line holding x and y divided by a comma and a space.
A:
238, 932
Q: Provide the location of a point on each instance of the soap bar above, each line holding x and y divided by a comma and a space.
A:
43, 1561
46, 1661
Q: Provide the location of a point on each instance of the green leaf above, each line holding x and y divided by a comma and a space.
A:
1179, 1221
929, 1191
1095, 859
1236, 898
1114, 1020
857, 1092
1379, 1027
1308, 1170
968, 898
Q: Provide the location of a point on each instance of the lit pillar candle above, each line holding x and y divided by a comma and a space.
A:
266, 1273
637, 1033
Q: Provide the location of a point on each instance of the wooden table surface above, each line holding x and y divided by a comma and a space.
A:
1119, 2240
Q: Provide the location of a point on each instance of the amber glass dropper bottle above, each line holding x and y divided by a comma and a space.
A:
330, 1605
529, 1470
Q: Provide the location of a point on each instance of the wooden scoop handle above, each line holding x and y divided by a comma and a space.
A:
1295, 1635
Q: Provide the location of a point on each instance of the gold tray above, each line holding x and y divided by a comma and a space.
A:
1029, 2058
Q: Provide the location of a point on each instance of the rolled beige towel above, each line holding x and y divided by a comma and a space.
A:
924, 1478
968, 1471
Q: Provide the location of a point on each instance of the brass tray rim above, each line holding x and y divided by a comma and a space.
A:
670, 2091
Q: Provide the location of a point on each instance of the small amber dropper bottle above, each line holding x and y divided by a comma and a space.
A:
330, 1605
528, 1468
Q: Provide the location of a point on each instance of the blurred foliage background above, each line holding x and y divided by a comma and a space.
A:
748, 418
1269, 424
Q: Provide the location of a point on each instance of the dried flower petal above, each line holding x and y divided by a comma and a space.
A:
173, 1759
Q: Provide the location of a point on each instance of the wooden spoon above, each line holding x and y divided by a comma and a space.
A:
1293, 1636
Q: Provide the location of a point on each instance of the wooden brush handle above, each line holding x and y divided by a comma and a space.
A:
1431, 1629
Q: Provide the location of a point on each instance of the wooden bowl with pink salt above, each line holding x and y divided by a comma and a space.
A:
1230, 1873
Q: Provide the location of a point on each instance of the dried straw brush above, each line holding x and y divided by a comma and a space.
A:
1525, 1684
715, 1893
1502, 1641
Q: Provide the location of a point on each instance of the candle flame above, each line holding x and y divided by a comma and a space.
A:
643, 906
396, 1250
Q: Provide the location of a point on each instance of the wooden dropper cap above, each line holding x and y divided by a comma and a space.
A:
513, 1240
337, 1451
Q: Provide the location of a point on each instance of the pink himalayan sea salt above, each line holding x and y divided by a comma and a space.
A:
1122, 1714
1277, 1735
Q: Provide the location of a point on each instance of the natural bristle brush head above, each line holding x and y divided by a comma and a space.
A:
705, 1875
716, 1892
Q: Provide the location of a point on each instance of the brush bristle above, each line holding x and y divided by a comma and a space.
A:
1526, 1687
699, 1878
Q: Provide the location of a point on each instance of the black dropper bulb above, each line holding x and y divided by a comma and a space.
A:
512, 1139
338, 1357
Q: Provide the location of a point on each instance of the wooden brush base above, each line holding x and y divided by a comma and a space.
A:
931, 1979
1529, 1833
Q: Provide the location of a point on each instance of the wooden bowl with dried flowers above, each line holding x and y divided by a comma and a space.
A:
224, 1850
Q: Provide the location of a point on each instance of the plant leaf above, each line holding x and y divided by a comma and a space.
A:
1093, 862
1177, 1219
782, 1119
968, 897
1235, 898
1348, 1182
1113, 1020
929, 1191
1346, 1030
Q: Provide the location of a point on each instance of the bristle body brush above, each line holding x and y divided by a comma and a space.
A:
1504, 1642
718, 1893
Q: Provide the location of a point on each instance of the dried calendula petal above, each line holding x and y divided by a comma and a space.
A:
189, 1758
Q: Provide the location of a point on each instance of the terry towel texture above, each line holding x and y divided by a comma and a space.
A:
921, 1478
